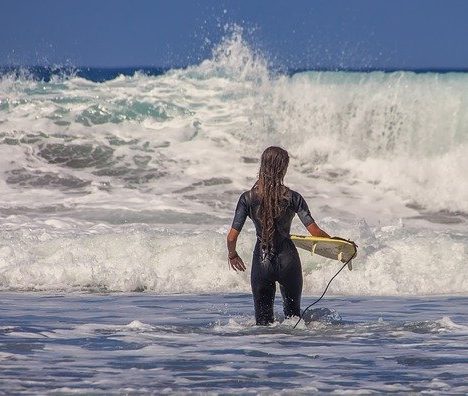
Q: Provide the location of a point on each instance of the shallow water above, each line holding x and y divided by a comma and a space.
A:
128, 343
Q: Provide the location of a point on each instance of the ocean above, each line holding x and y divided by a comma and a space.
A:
118, 188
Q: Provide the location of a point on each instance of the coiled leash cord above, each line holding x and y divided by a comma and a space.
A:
328, 284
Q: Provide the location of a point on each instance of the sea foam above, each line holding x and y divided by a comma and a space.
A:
396, 261
84, 166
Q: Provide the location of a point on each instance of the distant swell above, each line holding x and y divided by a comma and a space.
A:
401, 131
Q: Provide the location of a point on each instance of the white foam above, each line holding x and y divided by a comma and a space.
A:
373, 146
402, 135
390, 262
447, 324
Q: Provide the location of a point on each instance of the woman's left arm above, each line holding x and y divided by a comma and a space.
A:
303, 212
316, 231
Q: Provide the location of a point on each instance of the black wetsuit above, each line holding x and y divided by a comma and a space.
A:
281, 264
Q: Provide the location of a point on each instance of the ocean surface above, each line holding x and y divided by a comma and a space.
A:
138, 343
118, 188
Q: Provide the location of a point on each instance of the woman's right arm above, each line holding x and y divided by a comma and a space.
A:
234, 259
240, 215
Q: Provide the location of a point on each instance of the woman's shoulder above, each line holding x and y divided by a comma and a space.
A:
295, 196
294, 193
288, 191
246, 196
252, 196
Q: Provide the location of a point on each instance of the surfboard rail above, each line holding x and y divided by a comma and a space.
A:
333, 248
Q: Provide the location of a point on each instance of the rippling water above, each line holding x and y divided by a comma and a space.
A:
131, 343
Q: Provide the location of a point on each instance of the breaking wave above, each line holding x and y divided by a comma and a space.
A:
173, 151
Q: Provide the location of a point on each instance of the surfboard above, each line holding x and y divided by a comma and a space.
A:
336, 249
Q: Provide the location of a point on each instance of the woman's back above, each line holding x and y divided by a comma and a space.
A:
250, 204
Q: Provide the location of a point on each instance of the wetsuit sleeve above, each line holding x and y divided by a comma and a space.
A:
302, 210
242, 210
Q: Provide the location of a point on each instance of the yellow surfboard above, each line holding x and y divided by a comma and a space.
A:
336, 249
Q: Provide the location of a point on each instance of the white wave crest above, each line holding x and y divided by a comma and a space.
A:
390, 262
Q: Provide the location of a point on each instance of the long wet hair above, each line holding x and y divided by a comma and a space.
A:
271, 191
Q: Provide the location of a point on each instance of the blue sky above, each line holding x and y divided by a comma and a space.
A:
349, 34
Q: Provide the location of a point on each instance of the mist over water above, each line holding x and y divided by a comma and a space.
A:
130, 184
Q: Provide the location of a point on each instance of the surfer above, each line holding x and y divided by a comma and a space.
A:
272, 206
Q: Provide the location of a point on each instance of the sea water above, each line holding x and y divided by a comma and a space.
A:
116, 196
135, 343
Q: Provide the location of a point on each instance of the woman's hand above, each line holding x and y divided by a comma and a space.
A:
316, 231
236, 263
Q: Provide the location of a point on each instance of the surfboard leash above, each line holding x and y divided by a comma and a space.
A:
328, 284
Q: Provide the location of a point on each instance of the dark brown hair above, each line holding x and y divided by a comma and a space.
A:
271, 191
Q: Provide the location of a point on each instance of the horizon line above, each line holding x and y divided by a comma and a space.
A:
288, 70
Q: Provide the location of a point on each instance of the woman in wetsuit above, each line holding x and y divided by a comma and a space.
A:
272, 206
